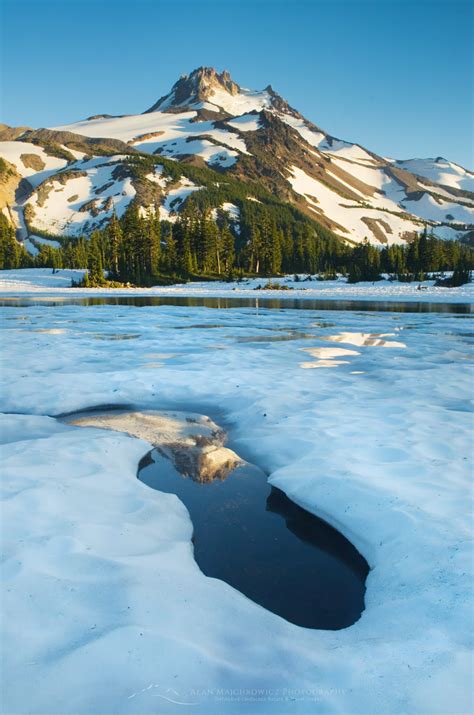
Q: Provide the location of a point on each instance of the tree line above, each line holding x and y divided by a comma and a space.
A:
140, 249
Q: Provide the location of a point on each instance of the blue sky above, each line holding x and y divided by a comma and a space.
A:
393, 75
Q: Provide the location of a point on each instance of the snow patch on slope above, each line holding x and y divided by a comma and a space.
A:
441, 171
347, 213
433, 209
161, 132
242, 103
12, 151
175, 197
245, 123
62, 210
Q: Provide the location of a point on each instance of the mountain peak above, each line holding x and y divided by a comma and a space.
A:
199, 86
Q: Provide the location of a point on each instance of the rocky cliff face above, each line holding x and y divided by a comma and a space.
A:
197, 87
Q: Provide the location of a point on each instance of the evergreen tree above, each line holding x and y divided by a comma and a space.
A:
12, 253
227, 247
95, 266
114, 242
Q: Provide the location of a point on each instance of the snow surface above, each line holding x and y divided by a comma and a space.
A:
327, 144
30, 247
174, 134
175, 197
447, 194
314, 138
61, 212
245, 123
346, 213
43, 281
232, 210
211, 153
157, 177
435, 209
440, 170
12, 151
233, 214
16, 214
45, 241
167, 134
390, 196
34, 278
243, 102
105, 610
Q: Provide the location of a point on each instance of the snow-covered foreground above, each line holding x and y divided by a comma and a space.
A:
43, 280
105, 610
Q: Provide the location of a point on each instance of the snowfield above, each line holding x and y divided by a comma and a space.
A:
19, 154
44, 281
82, 202
440, 170
347, 214
98, 569
208, 116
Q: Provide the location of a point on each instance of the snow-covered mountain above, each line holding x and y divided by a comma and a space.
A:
68, 180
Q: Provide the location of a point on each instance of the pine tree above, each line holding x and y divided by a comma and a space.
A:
155, 241
227, 247
94, 264
11, 251
114, 241
170, 258
255, 248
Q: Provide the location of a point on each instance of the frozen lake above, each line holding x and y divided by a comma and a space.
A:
362, 417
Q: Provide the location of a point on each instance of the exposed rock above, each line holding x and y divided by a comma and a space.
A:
9, 182
9, 134
194, 88
54, 142
90, 207
143, 137
32, 161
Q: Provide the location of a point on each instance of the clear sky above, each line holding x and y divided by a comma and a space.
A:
393, 75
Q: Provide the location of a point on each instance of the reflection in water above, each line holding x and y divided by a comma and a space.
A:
160, 356
323, 363
257, 540
326, 357
199, 326
365, 339
275, 303
329, 353
50, 331
116, 336
291, 335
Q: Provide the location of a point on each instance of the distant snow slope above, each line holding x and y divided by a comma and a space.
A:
347, 216
37, 170
79, 203
441, 171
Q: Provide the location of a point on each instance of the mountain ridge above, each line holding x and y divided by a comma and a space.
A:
207, 119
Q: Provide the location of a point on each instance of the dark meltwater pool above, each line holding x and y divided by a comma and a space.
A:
254, 538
